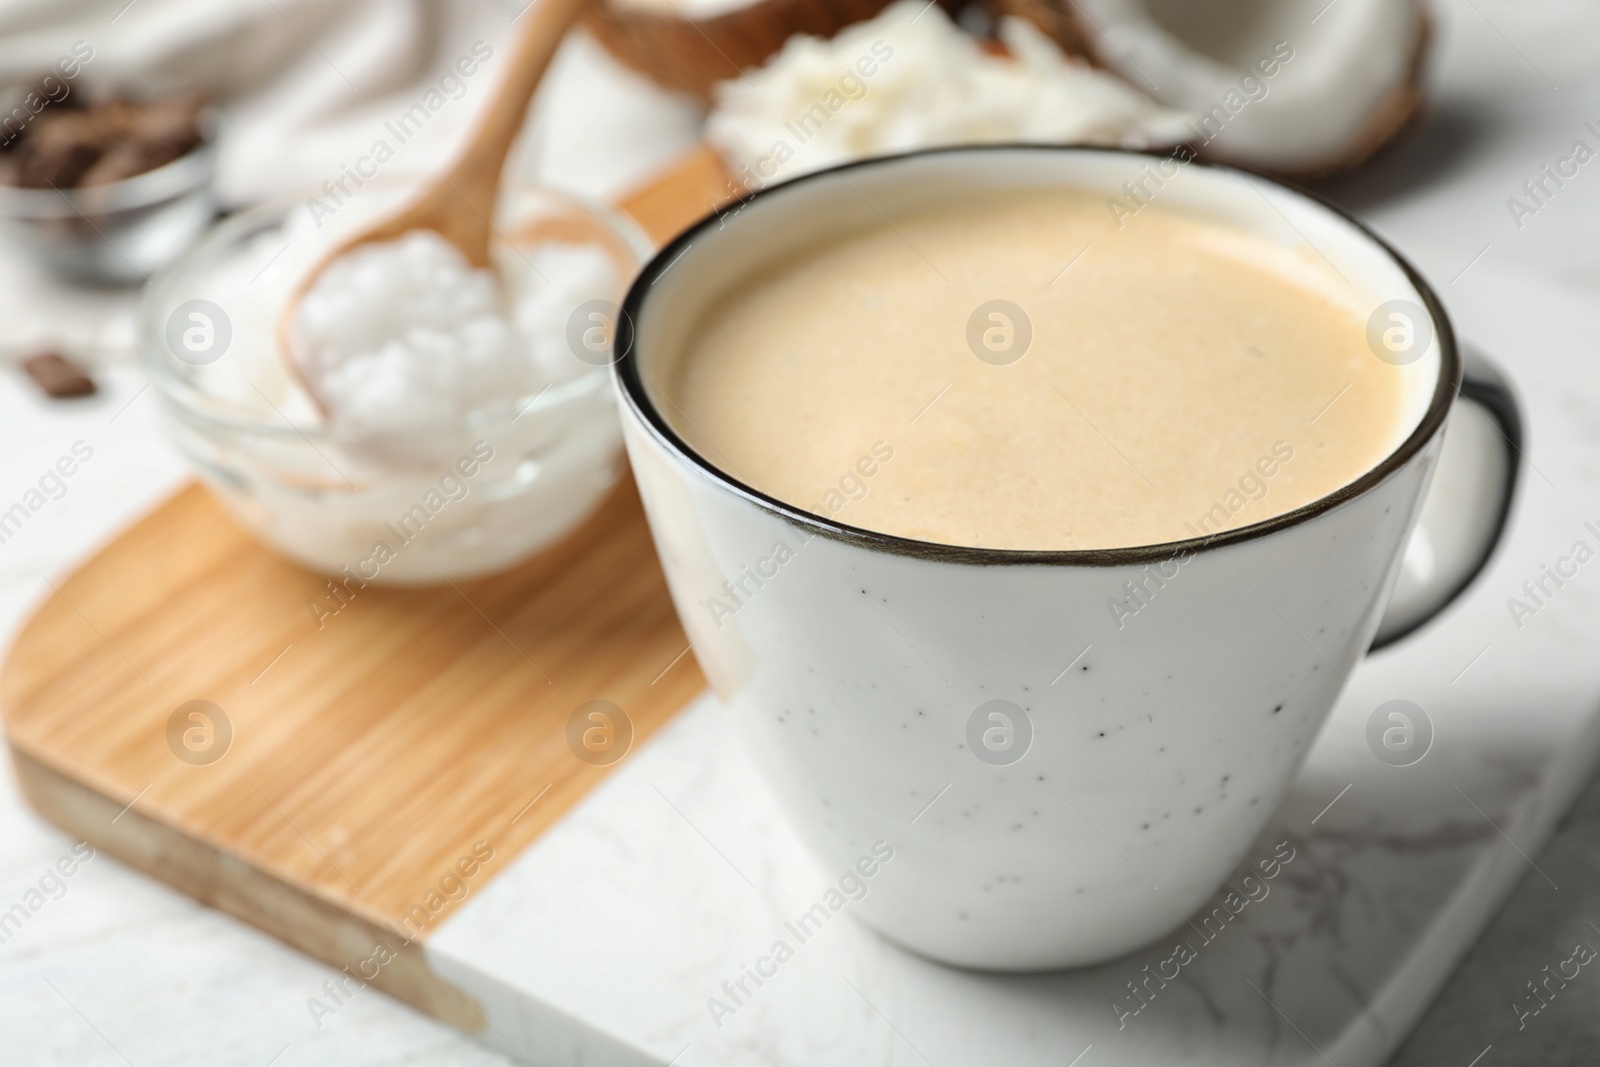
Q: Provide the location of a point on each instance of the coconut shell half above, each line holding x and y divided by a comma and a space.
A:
1392, 114
1354, 86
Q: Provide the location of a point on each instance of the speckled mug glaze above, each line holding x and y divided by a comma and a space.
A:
1151, 747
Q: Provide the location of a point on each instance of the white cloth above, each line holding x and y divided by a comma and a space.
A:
304, 88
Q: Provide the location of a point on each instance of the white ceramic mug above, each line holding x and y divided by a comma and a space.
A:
1060, 783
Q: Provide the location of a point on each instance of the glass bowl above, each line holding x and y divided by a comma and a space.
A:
122, 231
442, 501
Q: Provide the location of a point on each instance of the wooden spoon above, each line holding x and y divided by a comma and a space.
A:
459, 203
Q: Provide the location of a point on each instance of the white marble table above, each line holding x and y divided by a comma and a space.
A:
121, 969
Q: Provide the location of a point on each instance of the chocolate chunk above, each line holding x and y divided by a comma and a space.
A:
22, 102
58, 376
172, 121
59, 167
101, 142
120, 161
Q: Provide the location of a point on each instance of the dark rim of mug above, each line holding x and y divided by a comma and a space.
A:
630, 381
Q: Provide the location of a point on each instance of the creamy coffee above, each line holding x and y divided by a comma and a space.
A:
1026, 372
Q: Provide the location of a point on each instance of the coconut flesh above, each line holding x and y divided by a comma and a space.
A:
910, 78
1343, 76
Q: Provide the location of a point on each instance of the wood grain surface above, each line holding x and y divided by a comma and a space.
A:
385, 761
696, 185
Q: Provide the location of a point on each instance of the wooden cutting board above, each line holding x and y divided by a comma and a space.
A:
341, 782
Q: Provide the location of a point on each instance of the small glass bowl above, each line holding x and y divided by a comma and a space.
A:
454, 500
122, 231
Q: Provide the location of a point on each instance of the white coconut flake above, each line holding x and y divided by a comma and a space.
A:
548, 281
397, 336
910, 78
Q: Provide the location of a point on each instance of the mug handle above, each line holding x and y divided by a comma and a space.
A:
1464, 516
